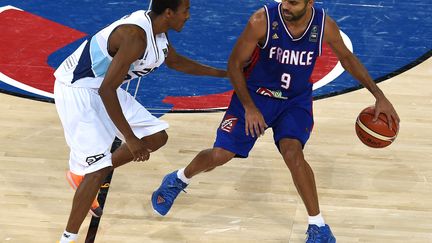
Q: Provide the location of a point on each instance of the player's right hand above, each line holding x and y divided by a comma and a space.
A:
255, 124
383, 105
138, 148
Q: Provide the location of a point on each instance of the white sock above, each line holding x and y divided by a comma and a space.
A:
68, 237
317, 220
182, 177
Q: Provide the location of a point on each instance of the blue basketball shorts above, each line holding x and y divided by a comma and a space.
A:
287, 118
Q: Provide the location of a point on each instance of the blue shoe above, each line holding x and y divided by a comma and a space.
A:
317, 234
163, 198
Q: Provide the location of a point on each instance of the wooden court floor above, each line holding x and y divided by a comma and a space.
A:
366, 195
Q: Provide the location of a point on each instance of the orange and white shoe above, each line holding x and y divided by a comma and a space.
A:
74, 181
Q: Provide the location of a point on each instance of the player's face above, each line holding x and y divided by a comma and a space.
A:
181, 16
293, 10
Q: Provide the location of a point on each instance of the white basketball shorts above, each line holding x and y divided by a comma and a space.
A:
88, 129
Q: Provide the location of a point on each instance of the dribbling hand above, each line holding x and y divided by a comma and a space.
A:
383, 105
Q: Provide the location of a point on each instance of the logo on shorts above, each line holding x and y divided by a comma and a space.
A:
95, 158
228, 123
271, 93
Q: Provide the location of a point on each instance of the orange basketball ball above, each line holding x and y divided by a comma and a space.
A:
375, 134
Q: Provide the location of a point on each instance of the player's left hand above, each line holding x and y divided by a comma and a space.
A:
383, 105
255, 124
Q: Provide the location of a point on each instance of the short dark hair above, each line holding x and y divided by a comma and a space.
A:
159, 6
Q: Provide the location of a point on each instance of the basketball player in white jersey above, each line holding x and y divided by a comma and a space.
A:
94, 109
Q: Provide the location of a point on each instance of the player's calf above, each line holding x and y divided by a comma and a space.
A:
74, 181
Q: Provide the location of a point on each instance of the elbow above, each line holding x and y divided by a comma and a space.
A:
104, 91
170, 64
101, 92
347, 61
232, 67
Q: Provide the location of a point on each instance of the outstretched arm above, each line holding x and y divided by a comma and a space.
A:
253, 34
353, 65
183, 64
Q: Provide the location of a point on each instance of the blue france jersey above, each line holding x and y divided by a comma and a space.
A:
282, 67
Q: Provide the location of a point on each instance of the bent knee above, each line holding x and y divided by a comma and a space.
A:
293, 158
221, 156
163, 136
156, 140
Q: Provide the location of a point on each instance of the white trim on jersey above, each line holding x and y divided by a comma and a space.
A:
268, 29
286, 28
322, 32
155, 49
151, 1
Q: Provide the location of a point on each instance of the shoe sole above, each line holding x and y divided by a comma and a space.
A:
154, 210
93, 214
74, 186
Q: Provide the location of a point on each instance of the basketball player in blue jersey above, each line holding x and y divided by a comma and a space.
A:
94, 109
270, 68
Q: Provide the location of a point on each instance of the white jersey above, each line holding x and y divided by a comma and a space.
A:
86, 67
